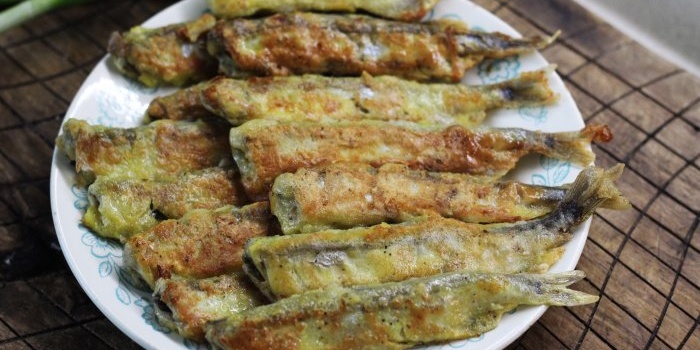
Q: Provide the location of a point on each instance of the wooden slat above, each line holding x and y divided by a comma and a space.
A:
564, 322
593, 342
648, 266
635, 296
538, 335
618, 327
675, 326
672, 215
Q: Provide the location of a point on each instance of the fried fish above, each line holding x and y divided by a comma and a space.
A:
393, 315
343, 196
404, 10
186, 304
264, 149
121, 208
282, 266
315, 98
201, 244
300, 43
161, 149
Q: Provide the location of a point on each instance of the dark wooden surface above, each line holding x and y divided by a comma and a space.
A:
645, 262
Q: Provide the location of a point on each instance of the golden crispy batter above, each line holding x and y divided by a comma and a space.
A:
405, 10
282, 266
400, 315
121, 208
160, 149
315, 98
203, 243
298, 43
186, 304
174, 55
265, 149
348, 195
183, 104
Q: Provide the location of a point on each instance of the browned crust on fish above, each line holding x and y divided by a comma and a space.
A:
172, 54
184, 298
347, 195
202, 244
455, 149
147, 152
297, 43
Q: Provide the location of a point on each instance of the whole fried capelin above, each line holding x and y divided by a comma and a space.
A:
316, 98
298, 43
264, 149
396, 315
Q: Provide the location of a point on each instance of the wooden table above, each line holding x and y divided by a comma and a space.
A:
644, 262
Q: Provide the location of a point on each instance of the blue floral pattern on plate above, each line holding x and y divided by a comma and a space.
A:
555, 172
537, 115
497, 70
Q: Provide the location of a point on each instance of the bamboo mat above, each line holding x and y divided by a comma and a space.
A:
644, 262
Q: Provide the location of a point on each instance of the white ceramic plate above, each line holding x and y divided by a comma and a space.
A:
108, 98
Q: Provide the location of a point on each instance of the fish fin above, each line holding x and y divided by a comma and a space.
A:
551, 289
499, 45
592, 188
549, 40
596, 184
572, 146
528, 89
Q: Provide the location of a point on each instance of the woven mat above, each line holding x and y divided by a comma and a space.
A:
644, 262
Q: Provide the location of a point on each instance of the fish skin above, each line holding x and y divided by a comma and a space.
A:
347, 45
185, 305
404, 10
282, 266
342, 196
163, 148
121, 208
314, 98
264, 149
201, 244
395, 315
171, 55
183, 104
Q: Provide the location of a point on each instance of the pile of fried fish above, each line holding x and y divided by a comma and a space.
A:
321, 180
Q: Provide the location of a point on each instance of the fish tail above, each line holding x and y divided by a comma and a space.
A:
498, 45
551, 289
593, 187
571, 146
528, 89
